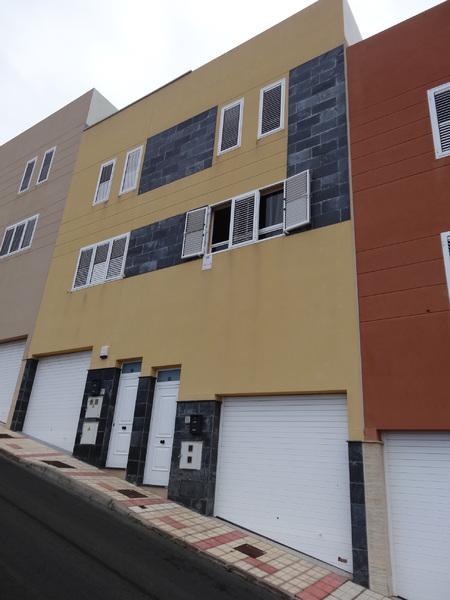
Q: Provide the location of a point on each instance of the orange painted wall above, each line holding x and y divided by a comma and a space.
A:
401, 200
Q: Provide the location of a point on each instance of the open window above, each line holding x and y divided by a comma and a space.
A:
271, 211
220, 227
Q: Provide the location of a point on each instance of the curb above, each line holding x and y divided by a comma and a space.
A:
99, 499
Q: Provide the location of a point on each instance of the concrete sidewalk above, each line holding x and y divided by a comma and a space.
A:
283, 570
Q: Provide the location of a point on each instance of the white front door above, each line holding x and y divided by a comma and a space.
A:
162, 426
119, 443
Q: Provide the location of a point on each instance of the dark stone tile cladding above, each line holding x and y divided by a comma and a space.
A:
107, 379
195, 489
179, 151
20, 410
317, 136
155, 246
141, 429
358, 514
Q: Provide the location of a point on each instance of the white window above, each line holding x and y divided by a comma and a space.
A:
104, 181
131, 170
18, 237
257, 215
101, 262
445, 239
27, 175
231, 126
439, 102
46, 165
271, 109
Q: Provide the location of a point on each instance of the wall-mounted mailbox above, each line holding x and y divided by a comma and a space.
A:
196, 425
89, 433
191, 455
94, 407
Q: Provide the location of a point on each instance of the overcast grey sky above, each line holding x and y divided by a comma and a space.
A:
52, 51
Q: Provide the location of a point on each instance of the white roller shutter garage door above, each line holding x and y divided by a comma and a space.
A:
11, 355
418, 487
56, 398
283, 472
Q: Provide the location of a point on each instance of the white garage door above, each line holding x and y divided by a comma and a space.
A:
56, 398
11, 355
418, 482
283, 472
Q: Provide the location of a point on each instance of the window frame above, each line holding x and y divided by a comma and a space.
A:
439, 153
282, 83
109, 241
38, 180
112, 162
445, 240
14, 227
239, 102
34, 161
122, 181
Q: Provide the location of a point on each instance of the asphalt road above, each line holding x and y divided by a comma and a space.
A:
56, 546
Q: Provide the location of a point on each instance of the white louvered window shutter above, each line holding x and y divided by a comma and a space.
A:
83, 267
117, 258
445, 238
131, 170
28, 235
296, 201
230, 131
195, 232
104, 182
100, 263
271, 114
439, 102
244, 220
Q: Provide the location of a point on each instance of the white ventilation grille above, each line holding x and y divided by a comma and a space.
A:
194, 233
439, 102
101, 262
230, 129
243, 220
131, 170
104, 182
296, 201
445, 239
271, 109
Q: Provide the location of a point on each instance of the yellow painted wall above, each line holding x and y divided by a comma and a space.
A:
279, 316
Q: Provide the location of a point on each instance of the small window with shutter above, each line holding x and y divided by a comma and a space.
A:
194, 238
18, 237
439, 103
244, 219
271, 109
46, 165
101, 262
104, 182
445, 239
296, 201
27, 175
131, 170
230, 126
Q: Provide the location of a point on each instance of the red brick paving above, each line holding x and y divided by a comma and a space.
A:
322, 588
218, 540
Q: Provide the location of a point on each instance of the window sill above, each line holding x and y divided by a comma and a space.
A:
91, 285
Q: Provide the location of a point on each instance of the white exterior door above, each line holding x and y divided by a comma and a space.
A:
55, 402
119, 443
11, 355
417, 469
162, 427
283, 472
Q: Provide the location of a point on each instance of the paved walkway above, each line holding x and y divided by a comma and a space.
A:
273, 565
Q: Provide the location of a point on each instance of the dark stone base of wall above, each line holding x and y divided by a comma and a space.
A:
141, 429
195, 488
358, 514
20, 410
107, 380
